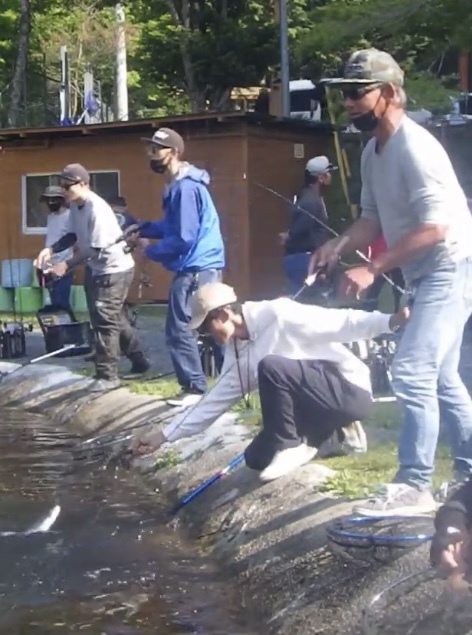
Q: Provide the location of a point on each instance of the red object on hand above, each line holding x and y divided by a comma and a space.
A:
377, 247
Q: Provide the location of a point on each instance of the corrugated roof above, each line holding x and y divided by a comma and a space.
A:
145, 124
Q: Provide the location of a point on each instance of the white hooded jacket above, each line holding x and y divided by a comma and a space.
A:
289, 329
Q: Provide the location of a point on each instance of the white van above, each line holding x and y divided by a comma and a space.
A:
303, 104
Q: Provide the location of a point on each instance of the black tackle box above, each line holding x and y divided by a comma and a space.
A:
60, 328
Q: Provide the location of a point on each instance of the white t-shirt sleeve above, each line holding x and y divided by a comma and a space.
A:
427, 171
104, 227
368, 205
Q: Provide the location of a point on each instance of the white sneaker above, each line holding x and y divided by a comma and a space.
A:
286, 461
397, 499
354, 442
355, 439
185, 399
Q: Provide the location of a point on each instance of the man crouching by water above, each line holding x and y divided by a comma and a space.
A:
310, 384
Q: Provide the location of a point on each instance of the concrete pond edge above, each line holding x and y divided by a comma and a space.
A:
270, 538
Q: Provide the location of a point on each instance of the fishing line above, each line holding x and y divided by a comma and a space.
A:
374, 620
329, 229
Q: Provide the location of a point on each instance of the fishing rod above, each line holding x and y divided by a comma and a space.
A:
49, 279
327, 228
35, 360
236, 462
109, 438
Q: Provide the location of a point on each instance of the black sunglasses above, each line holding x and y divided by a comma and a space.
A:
354, 93
67, 186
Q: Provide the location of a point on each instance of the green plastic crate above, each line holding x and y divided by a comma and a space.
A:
27, 299
34, 279
78, 301
6, 300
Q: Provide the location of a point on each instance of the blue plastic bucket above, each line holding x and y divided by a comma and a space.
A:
17, 273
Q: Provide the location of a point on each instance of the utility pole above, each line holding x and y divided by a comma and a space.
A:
284, 58
121, 70
64, 93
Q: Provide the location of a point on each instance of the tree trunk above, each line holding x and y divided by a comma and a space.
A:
20, 65
182, 21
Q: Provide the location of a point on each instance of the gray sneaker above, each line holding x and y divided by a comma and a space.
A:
104, 385
397, 499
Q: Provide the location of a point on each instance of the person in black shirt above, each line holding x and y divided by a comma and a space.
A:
305, 233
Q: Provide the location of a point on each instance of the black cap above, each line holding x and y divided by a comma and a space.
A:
52, 191
166, 138
75, 173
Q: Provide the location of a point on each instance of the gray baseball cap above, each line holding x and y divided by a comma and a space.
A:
320, 165
369, 66
74, 173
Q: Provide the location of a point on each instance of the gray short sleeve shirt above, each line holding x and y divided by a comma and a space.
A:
96, 227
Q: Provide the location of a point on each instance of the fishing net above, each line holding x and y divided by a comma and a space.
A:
418, 604
381, 540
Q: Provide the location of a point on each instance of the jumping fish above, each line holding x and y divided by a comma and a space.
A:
42, 526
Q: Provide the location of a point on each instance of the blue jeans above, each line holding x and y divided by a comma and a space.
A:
426, 378
296, 271
181, 341
60, 291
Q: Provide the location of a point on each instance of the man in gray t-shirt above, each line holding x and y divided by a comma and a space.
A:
411, 194
94, 229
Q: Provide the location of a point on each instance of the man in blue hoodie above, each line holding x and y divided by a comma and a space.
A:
190, 245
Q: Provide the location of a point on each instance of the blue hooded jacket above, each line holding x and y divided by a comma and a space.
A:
190, 235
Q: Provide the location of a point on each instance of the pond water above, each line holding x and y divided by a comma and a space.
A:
111, 564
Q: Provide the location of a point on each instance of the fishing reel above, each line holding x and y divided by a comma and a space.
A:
382, 540
378, 355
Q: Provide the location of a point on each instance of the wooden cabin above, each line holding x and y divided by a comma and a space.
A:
242, 153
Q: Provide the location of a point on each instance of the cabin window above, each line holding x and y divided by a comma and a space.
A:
34, 214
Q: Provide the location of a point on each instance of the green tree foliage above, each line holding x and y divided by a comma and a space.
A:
206, 48
188, 55
419, 33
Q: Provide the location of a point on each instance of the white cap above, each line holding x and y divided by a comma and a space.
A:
208, 298
320, 165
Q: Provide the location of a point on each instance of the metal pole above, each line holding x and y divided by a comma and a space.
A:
121, 67
284, 58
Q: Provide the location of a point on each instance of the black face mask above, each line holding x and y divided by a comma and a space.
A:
157, 166
54, 207
367, 122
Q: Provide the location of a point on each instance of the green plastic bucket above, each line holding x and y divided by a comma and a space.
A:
27, 300
6, 300
78, 300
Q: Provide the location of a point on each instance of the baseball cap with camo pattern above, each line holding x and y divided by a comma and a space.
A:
369, 66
